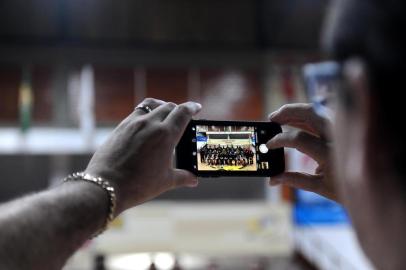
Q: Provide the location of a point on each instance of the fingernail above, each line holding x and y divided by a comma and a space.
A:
198, 105
194, 107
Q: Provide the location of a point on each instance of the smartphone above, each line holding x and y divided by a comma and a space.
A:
229, 148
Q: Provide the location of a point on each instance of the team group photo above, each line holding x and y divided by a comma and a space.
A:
226, 148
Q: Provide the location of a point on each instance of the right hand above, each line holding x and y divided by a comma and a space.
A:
138, 157
311, 138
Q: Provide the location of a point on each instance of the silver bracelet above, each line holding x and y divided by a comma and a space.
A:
104, 184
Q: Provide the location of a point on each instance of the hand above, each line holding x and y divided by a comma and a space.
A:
311, 138
138, 157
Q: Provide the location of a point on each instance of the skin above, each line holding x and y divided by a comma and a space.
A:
310, 137
43, 230
358, 166
369, 184
355, 168
145, 141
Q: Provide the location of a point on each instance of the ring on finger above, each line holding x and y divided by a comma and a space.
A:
143, 107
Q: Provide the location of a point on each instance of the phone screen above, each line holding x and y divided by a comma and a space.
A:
229, 148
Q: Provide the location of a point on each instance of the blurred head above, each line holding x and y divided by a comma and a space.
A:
367, 37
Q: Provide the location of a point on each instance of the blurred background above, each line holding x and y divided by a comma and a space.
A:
71, 70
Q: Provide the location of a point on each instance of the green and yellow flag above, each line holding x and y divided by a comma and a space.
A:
26, 100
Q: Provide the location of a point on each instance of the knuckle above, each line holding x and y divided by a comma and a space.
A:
142, 120
284, 108
171, 104
134, 126
149, 101
308, 107
289, 106
299, 136
162, 129
139, 123
183, 109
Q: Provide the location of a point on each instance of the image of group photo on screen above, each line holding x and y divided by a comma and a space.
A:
229, 148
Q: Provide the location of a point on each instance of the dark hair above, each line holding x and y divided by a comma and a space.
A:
374, 30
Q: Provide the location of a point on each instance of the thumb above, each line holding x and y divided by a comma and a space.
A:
298, 180
183, 178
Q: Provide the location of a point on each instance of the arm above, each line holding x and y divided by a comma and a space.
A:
43, 230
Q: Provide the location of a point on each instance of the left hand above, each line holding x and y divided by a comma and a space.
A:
311, 138
138, 157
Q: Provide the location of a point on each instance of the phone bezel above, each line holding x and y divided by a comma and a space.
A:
187, 146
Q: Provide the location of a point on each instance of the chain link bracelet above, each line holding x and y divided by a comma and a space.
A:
104, 184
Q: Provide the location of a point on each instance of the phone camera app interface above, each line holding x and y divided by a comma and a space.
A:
227, 148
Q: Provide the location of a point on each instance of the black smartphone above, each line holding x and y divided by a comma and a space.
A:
229, 148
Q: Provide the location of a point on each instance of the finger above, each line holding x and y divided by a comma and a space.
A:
178, 119
162, 111
152, 103
306, 143
184, 178
298, 180
301, 115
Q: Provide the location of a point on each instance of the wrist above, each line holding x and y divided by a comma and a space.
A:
94, 200
109, 193
113, 179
